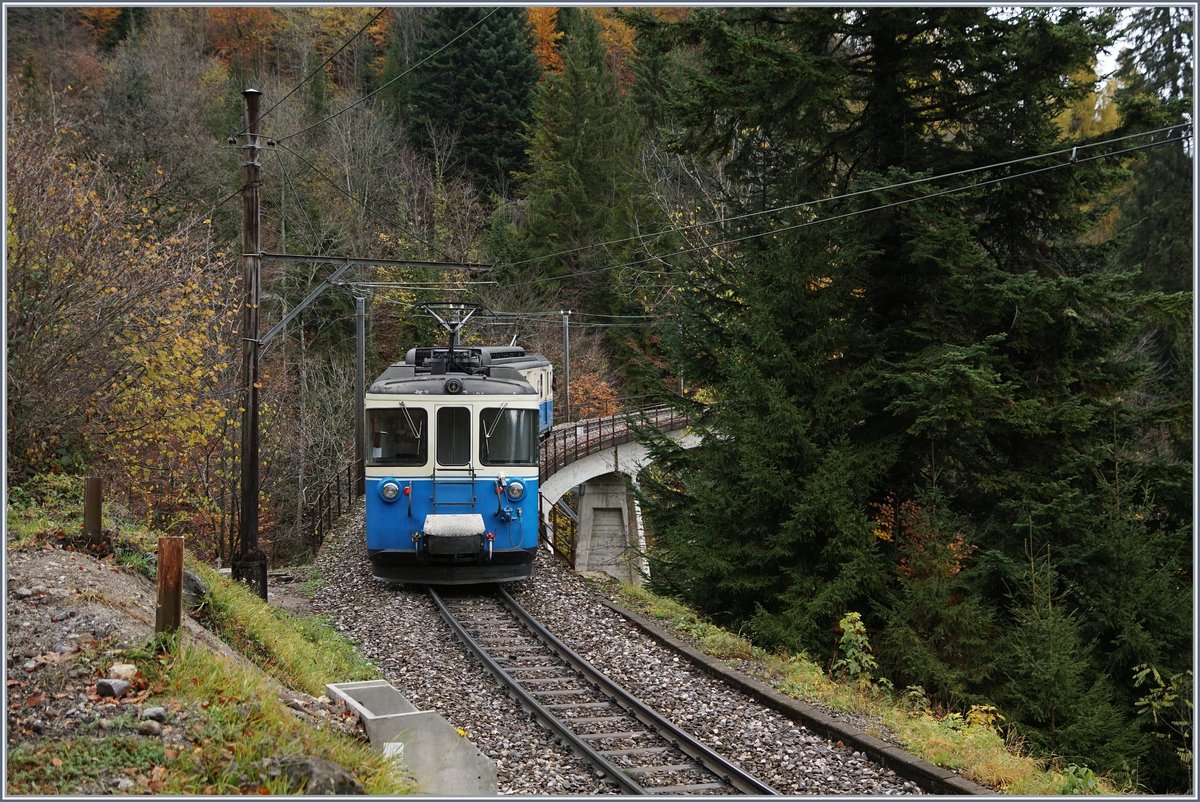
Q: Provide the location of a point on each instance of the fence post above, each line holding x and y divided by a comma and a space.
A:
541, 518
170, 584
93, 504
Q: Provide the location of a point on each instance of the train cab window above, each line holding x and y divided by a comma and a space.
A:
509, 436
398, 436
453, 436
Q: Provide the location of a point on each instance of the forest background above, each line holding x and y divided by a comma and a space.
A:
921, 278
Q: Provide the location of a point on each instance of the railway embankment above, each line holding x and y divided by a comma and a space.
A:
96, 704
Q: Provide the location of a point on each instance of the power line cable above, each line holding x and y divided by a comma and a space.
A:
379, 89
309, 77
791, 207
881, 207
431, 246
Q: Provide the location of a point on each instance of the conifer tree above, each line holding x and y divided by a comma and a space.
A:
583, 151
1156, 74
1057, 699
981, 337
475, 90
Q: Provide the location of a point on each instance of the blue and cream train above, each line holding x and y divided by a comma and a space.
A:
452, 464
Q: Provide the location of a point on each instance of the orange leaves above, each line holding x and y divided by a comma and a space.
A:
101, 22
592, 396
929, 547
239, 33
618, 44
542, 23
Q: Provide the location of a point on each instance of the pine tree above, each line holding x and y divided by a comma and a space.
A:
982, 337
475, 90
939, 632
1054, 696
1156, 75
583, 149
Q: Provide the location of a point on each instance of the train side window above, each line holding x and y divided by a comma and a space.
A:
398, 436
453, 435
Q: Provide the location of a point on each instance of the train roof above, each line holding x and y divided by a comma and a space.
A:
476, 356
399, 380
472, 370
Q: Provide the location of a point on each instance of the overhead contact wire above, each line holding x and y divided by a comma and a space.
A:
848, 195
881, 207
380, 88
312, 74
365, 207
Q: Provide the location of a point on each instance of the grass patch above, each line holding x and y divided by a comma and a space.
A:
44, 506
244, 723
227, 724
234, 728
710, 638
71, 766
301, 652
976, 751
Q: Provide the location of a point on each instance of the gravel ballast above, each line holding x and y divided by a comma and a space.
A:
398, 629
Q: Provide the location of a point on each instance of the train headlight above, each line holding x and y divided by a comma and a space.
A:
389, 490
516, 490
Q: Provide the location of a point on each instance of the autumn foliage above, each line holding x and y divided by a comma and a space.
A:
543, 24
118, 332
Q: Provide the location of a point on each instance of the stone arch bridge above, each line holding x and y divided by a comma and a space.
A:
588, 462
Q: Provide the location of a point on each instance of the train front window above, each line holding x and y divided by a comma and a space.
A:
398, 436
454, 436
509, 436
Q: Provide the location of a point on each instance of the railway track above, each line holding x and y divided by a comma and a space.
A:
623, 738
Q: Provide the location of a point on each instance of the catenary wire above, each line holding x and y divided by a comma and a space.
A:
881, 207
848, 195
380, 88
309, 77
365, 207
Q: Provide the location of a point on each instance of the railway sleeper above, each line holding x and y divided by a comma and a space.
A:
578, 705
659, 769
688, 789
641, 750
598, 719
515, 649
614, 736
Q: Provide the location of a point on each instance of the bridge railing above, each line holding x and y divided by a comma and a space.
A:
324, 507
568, 442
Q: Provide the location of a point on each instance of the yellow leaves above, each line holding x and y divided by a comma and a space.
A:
542, 24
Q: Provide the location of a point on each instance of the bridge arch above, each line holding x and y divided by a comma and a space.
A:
592, 455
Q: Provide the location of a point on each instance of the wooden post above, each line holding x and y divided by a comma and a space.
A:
93, 504
170, 584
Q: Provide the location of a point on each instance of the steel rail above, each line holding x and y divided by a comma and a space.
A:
708, 760
729, 772
526, 700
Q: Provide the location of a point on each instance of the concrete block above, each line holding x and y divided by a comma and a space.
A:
439, 757
443, 761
